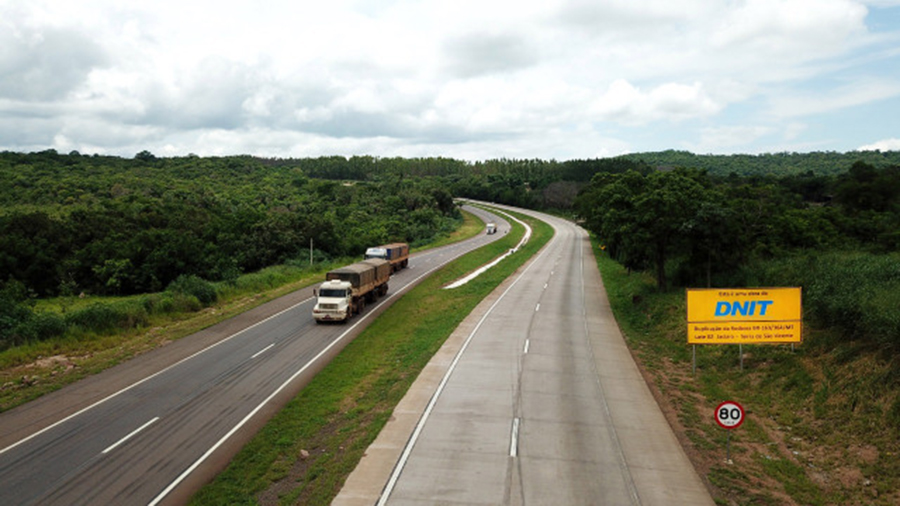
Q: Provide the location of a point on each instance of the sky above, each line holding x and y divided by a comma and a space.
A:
471, 80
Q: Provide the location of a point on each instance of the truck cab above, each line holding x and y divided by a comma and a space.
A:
334, 301
378, 252
491, 228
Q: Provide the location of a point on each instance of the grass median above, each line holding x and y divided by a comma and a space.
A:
305, 453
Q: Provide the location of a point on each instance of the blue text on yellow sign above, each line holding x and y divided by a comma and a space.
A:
744, 315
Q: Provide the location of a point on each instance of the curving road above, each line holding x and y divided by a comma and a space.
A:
154, 429
534, 400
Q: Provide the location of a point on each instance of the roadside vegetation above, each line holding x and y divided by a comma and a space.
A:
823, 416
103, 258
97, 332
823, 424
305, 453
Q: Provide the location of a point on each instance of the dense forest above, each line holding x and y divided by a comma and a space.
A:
715, 225
115, 226
779, 164
836, 236
104, 225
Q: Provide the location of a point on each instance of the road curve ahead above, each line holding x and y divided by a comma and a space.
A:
155, 428
534, 400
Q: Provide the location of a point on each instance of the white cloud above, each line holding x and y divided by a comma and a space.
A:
793, 130
728, 138
882, 145
486, 53
791, 29
626, 103
861, 92
44, 64
421, 75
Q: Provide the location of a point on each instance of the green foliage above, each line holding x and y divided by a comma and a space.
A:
865, 188
14, 313
101, 318
794, 479
893, 415
145, 156
42, 326
856, 294
809, 407
113, 226
781, 164
345, 406
103, 225
707, 229
764, 231
194, 286
642, 218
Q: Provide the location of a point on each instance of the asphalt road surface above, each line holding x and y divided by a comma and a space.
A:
534, 400
154, 429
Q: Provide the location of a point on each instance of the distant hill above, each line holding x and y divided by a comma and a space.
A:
779, 164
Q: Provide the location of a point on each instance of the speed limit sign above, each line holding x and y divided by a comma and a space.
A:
729, 415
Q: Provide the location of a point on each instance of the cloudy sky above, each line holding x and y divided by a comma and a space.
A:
473, 80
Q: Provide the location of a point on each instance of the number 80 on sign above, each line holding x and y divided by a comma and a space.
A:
729, 415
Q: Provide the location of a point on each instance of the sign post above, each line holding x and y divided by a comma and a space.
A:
744, 316
729, 415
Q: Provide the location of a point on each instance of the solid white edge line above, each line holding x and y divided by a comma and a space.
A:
260, 352
407, 450
478, 272
284, 385
129, 436
148, 378
514, 440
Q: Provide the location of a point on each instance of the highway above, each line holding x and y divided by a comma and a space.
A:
154, 429
534, 400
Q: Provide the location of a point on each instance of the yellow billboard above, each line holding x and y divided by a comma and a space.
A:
744, 315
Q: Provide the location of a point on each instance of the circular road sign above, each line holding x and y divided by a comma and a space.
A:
729, 415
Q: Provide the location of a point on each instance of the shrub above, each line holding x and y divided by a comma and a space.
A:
12, 316
195, 286
855, 293
105, 317
42, 326
185, 303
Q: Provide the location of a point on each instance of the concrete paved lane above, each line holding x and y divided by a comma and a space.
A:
157, 427
534, 400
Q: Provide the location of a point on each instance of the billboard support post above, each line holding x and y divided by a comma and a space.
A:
694, 355
744, 315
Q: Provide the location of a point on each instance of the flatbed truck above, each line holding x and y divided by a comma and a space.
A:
346, 290
397, 254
